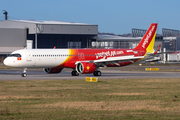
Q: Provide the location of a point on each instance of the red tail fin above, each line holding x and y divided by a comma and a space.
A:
147, 42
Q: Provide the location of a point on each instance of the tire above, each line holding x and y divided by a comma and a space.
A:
23, 74
97, 73
74, 73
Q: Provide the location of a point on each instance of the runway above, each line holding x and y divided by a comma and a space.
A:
38, 74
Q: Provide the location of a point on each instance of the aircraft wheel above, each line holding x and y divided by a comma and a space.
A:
74, 73
23, 74
97, 73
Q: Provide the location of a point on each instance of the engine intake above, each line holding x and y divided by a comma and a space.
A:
85, 67
52, 70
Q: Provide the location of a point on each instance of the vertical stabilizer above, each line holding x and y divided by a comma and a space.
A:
147, 42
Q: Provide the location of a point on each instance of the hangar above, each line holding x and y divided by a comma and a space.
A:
118, 42
121, 42
45, 34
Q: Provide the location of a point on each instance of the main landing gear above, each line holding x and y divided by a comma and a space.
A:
97, 73
74, 73
24, 72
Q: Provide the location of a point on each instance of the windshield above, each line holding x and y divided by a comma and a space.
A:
14, 55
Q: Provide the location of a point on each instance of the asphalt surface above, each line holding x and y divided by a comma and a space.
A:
112, 73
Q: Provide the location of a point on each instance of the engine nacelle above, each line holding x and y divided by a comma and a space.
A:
85, 67
52, 70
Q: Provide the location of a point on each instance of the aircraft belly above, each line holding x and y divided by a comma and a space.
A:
48, 62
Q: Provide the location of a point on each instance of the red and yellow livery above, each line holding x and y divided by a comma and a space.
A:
83, 61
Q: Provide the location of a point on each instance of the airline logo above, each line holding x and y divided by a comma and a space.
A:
148, 36
108, 54
18, 58
87, 69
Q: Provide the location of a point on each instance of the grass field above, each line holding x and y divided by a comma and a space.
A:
78, 99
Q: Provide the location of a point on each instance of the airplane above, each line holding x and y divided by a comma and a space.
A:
82, 61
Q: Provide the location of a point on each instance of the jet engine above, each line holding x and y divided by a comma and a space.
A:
85, 67
52, 70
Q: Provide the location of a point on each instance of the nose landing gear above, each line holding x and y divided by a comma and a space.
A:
24, 72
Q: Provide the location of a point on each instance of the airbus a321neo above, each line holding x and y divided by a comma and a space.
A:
82, 61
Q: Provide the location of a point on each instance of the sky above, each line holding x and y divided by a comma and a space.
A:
111, 16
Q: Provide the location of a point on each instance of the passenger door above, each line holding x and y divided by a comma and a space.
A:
28, 56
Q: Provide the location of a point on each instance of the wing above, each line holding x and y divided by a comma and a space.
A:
113, 60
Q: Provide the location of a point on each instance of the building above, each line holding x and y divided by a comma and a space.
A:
171, 39
118, 42
45, 34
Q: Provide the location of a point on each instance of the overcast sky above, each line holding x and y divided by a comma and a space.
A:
113, 16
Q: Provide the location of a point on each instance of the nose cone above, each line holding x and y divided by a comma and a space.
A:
11, 62
6, 62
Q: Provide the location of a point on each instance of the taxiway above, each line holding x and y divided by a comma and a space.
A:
38, 74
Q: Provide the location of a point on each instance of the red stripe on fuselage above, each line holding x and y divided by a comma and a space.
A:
96, 54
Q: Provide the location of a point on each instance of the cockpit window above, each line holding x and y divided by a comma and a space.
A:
14, 55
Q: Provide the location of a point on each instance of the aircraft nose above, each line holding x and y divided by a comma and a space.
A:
6, 62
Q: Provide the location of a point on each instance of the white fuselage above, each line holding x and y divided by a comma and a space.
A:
37, 58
